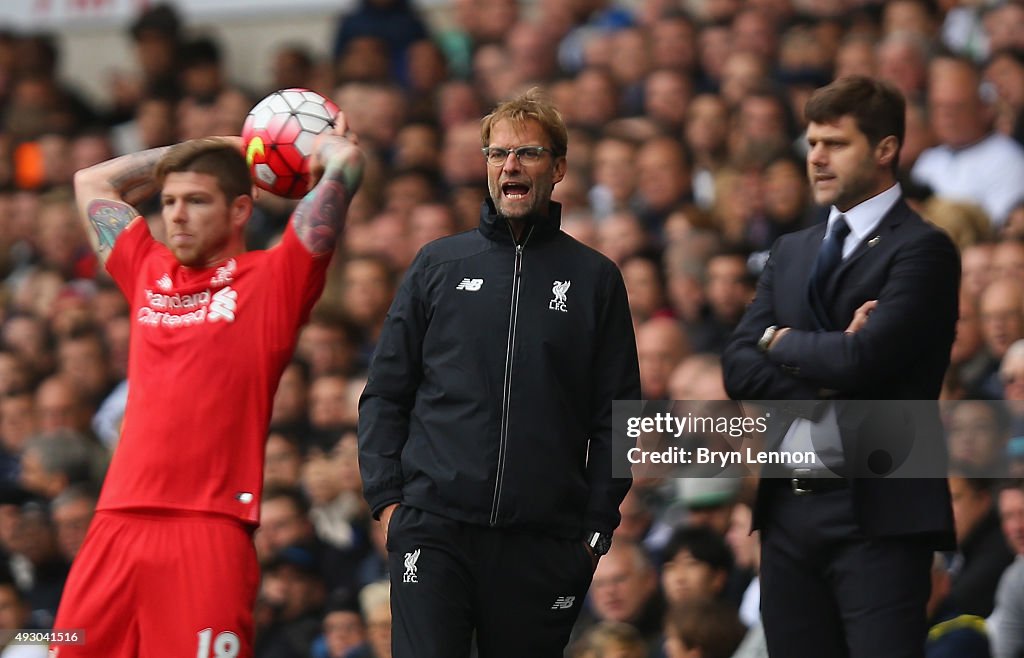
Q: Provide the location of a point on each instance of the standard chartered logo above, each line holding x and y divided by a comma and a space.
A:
224, 304
174, 311
178, 301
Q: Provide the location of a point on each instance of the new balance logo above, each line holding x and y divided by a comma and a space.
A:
410, 567
223, 305
563, 603
472, 285
164, 282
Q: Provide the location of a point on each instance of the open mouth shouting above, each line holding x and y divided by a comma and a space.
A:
515, 190
517, 198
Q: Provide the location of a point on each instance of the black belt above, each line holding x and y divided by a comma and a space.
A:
806, 481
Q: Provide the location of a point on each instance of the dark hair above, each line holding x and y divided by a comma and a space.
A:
878, 108
343, 600
287, 433
1011, 484
704, 544
212, 156
711, 626
292, 494
161, 19
300, 53
774, 94
995, 6
83, 332
428, 175
202, 51
997, 409
1014, 54
376, 259
302, 366
301, 557
931, 7
973, 479
653, 257
330, 316
79, 491
7, 581
741, 254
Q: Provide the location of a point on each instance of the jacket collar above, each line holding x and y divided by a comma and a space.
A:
497, 229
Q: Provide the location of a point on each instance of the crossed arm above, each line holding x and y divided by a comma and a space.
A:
913, 312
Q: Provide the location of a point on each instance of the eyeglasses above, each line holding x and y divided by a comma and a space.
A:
526, 155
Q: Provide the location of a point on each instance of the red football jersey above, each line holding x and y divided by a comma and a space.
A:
207, 349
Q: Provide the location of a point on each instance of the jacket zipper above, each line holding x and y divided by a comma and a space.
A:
506, 393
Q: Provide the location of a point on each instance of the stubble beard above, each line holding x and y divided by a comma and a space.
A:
857, 187
537, 211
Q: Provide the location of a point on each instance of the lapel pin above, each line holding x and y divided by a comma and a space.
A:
873, 241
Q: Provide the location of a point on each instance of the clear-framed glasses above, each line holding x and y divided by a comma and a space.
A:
527, 155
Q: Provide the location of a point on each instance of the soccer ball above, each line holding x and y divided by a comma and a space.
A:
278, 138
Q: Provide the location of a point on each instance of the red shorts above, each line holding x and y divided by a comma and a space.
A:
155, 584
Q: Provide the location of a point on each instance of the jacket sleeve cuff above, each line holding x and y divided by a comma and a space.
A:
382, 500
600, 523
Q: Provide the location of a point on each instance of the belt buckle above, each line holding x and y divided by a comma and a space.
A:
794, 482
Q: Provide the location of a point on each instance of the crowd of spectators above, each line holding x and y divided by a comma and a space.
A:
685, 163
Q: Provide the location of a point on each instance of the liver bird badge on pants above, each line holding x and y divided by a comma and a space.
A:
410, 567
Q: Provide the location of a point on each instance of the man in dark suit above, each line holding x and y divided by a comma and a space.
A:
863, 308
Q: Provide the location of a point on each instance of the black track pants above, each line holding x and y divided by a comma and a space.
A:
520, 592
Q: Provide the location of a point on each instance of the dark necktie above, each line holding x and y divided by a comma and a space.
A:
830, 256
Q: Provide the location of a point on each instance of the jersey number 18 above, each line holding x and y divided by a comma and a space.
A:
225, 645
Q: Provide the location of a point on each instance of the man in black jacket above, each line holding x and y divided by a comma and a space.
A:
865, 310
485, 426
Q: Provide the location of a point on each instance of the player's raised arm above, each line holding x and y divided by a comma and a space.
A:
107, 192
338, 161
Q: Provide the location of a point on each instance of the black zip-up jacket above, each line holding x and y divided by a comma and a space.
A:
497, 364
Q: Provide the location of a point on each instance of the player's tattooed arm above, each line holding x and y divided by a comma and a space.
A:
106, 193
108, 219
319, 218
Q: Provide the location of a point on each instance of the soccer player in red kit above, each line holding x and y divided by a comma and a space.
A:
168, 567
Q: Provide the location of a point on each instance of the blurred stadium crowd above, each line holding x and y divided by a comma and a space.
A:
685, 163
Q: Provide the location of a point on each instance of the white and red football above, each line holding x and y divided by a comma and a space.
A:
278, 138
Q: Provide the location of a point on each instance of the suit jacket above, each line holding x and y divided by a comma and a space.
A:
913, 270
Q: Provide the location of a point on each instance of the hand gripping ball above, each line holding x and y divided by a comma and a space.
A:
278, 137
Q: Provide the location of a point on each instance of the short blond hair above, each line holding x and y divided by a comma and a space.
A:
373, 596
966, 223
608, 637
533, 105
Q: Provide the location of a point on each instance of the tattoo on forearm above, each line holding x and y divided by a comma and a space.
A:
109, 219
320, 216
134, 177
136, 170
342, 162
